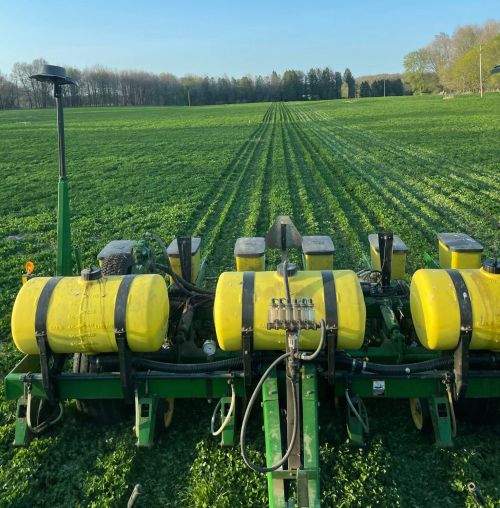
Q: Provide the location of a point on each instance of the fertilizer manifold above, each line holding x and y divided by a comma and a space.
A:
144, 326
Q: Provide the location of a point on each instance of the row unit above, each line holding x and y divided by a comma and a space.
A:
456, 250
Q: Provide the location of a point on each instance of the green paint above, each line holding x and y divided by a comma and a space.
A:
64, 263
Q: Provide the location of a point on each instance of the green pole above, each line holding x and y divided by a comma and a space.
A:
64, 264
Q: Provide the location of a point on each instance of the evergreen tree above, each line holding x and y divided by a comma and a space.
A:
313, 83
365, 89
338, 85
351, 84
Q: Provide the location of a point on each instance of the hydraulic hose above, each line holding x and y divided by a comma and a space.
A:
182, 283
404, 368
308, 358
37, 429
229, 363
285, 279
246, 418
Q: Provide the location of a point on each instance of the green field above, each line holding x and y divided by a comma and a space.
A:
344, 168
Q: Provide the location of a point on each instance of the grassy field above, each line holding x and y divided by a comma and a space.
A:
416, 165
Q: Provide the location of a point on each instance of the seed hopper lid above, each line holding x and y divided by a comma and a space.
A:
459, 242
173, 248
250, 247
54, 74
319, 245
397, 246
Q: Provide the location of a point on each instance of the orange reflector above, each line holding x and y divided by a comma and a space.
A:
29, 267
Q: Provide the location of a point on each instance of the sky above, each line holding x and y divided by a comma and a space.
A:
229, 37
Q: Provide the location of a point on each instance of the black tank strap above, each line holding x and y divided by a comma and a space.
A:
331, 319
42, 309
247, 323
461, 354
120, 322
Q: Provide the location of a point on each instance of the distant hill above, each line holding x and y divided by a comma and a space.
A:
375, 77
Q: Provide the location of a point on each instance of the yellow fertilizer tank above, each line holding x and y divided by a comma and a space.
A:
80, 314
436, 313
268, 285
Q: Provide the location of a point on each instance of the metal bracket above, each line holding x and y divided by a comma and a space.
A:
461, 364
125, 362
441, 421
247, 335
385, 243
46, 370
145, 419
331, 349
355, 428
228, 434
22, 433
184, 245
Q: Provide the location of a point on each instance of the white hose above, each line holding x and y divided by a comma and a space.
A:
228, 416
308, 358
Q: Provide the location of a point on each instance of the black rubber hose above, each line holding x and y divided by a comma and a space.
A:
491, 360
229, 363
178, 279
403, 368
285, 278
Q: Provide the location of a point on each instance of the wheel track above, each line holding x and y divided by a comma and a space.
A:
214, 231
207, 216
259, 208
399, 198
306, 218
280, 200
405, 193
349, 239
467, 178
227, 176
444, 189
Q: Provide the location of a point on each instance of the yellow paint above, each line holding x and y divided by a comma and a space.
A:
268, 285
250, 263
398, 269
318, 261
436, 315
452, 259
80, 316
175, 263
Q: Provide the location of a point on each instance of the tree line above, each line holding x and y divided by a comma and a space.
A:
451, 63
382, 87
99, 86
